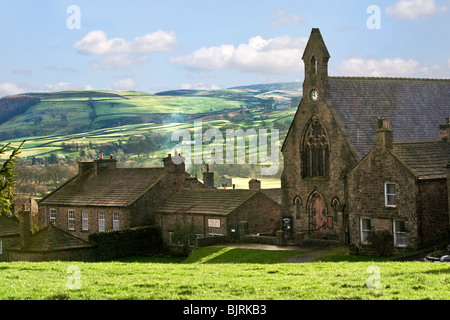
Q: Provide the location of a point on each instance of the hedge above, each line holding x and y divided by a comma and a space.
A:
136, 241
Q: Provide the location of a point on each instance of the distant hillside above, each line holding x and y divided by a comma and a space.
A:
71, 112
12, 106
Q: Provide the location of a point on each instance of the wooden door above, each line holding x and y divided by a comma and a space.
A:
318, 213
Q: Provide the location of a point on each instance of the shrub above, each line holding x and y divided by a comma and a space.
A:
127, 242
382, 243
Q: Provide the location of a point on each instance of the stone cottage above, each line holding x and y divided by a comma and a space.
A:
102, 197
398, 192
48, 244
230, 213
334, 128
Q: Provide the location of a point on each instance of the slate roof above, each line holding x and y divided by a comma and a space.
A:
415, 108
52, 238
274, 194
9, 225
427, 160
111, 187
206, 201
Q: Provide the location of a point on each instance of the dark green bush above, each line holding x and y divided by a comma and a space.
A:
127, 242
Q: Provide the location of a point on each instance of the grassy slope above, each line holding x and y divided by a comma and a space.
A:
226, 274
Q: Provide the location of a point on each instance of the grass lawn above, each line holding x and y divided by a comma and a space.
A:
225, 274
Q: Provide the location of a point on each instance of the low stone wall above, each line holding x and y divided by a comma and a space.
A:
261, 240
208, 241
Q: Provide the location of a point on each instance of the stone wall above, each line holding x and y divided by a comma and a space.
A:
433, 206
62, 220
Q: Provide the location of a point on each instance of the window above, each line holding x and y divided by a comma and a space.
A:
389, 194
71, 219
314, 65
399, 233
53, 216
298, 207
175, 238
315, 150
115, 221
336, 206
84, 220
101, 221
366, 229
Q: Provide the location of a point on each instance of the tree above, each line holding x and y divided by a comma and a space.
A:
7, 179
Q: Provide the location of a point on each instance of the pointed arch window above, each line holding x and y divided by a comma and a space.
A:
336, 207
298, 207
314, 65
315, 150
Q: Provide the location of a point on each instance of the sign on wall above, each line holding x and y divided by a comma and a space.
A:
214, 223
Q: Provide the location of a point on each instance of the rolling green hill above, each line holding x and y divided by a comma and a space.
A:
110, 116
136, 127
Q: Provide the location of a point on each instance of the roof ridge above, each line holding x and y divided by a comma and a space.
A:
387, 78
418, 142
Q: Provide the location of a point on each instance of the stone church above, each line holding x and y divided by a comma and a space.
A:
331, 188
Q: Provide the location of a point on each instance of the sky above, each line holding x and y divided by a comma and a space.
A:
158, 45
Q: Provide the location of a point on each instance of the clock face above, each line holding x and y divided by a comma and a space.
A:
314, 95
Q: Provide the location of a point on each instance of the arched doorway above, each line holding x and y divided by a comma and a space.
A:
317, 213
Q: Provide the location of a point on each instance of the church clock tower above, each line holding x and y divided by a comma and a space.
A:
315, 58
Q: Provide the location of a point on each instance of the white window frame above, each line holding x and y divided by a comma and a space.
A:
116, 220
387, 195
71, 219
399, 236
365, 233
101, 221
85, 220
52, 215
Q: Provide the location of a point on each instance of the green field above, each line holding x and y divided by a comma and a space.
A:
225, 274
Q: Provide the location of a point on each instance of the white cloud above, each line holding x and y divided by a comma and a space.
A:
118, 61
124, 84
12, 88
97, 43
198, 86
60, 86
413, 9
8, 88
284, 18
395, 67
281, 55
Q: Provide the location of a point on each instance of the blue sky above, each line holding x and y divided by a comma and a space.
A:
155, 45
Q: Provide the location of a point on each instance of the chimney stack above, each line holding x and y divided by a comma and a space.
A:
384, 136
254, 184
102, 164
25, 228
444, 130
174, 164
208, 177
